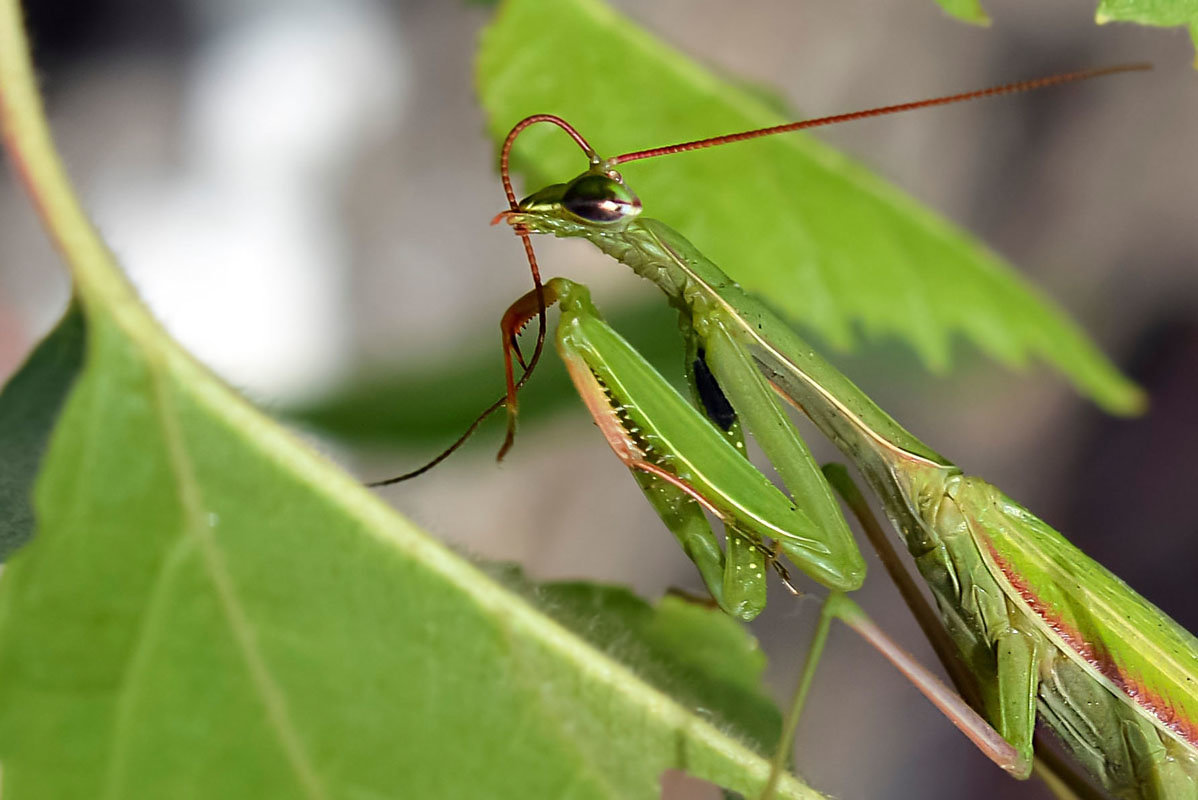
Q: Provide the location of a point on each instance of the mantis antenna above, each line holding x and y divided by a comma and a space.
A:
1006, 88
510, 345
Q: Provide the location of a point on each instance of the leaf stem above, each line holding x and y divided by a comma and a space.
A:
30, 145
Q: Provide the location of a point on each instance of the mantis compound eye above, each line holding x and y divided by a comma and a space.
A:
598, 198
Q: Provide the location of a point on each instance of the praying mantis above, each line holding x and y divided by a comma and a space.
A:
1035, 627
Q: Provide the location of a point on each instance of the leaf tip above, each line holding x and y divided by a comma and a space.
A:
969, 11
1129, 400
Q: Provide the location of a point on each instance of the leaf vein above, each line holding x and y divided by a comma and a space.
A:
196, 527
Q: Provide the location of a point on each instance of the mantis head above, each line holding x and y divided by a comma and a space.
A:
598, 199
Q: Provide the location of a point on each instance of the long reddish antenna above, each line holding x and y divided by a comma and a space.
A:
1006, 88
448, 451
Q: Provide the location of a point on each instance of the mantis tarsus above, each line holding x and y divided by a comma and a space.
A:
1038, 627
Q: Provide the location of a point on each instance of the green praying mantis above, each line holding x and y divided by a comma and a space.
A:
1027, 625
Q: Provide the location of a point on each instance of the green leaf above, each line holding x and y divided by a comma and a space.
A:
1161, 13
803, 226
211, 609
966, 10
698, 653
29, 407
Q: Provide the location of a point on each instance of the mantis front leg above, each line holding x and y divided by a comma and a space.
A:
734, 575
742, 593
679, 452
750, 395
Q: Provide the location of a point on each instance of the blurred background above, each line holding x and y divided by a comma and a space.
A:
301, 193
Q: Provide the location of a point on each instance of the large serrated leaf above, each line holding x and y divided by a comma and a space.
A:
210, 609
803, 226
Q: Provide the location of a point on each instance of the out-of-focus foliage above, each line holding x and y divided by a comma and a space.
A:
966, 10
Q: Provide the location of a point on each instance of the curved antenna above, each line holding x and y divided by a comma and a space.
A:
513, 387
447, 452
1006, 88
506, 151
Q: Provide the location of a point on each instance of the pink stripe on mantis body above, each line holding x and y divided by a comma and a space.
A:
1100, 658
